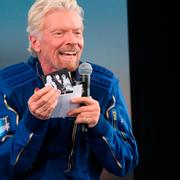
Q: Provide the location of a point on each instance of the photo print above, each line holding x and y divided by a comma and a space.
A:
59, 80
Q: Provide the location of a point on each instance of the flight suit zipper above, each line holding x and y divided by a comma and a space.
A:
114, 113
23, 148
114, 118
11, 109
117, 162
112, 105
70, 157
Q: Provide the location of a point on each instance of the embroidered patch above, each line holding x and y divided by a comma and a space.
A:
4, 126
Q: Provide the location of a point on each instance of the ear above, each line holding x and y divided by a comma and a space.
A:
35, 43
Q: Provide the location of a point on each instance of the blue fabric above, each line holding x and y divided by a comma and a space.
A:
42, 149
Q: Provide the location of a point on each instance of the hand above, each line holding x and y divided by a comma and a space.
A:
88, 114
42, 103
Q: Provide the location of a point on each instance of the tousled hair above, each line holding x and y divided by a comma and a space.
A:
40, 8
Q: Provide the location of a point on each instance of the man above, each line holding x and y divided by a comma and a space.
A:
35, 146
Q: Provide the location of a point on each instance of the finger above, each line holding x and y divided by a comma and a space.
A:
41, 92
51, 102
47, 114
83, 100
88, 118
47, 97
92, 115
43, 100
90, 108
36, 107
80, 110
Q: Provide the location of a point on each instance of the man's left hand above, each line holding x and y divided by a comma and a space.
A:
88, 114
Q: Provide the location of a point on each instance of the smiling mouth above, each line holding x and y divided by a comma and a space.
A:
68, 53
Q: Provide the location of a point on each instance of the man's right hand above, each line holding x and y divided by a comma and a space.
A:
42, 103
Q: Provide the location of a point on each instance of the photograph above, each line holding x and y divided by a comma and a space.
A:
59, 80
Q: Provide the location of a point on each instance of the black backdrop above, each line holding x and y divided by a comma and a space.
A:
153, 90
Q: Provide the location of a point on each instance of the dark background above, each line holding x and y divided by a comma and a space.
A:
153, 90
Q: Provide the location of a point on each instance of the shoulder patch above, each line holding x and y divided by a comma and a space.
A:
4, 126
18, 74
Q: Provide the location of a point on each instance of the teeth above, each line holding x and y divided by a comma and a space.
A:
68, 53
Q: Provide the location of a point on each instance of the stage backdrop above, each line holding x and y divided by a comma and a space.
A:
106, 39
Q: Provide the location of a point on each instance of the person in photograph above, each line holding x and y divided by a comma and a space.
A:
66, 83
59, 83
49, 81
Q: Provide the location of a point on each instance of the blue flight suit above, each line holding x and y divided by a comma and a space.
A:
57, 148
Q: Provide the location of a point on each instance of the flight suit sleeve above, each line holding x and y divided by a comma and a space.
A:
112, 139
20, 139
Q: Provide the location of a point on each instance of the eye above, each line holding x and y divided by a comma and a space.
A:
78, 33
58, 33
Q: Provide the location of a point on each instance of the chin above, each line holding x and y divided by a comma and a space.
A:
73, 67
70, 64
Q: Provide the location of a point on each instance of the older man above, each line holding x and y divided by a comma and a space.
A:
35, 146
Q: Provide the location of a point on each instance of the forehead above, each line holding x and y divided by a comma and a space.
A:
62, 18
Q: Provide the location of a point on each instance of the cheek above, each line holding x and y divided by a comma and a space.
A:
82, 43
49, 43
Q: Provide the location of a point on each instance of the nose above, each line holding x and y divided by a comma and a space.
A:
71, 38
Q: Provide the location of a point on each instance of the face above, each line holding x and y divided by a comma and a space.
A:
61, 43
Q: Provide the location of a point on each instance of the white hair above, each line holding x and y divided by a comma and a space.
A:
40, 8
